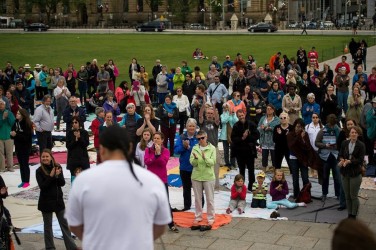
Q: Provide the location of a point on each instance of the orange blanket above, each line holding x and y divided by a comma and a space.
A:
185, 219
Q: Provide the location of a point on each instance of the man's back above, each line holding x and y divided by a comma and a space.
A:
113, 205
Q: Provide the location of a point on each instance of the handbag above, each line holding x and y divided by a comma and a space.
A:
228, 132
142, 103
305, 194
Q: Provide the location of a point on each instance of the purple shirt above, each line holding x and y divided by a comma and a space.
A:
278, 195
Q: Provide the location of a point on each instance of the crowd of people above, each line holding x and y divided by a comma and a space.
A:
288, 107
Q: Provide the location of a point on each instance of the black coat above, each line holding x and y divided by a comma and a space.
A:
247, 147
22, 140
77, 150
51, 195
164, 119
353, 169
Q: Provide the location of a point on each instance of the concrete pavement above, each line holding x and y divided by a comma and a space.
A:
246, 233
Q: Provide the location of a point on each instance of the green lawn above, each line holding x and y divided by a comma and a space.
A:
60, 49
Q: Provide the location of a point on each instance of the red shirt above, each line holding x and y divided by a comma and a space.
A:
236, 195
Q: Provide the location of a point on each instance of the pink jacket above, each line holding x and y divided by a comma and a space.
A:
157, 164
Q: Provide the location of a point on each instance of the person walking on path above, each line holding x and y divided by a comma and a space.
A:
304, 29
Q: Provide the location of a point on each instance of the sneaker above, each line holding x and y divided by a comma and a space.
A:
228, 211
323, 198
25, 185
174, 229
21, 185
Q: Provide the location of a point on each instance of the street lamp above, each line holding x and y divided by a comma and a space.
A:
347, 2
203, 12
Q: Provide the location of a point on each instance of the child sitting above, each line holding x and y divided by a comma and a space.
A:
259, 190
238, 193
278, 192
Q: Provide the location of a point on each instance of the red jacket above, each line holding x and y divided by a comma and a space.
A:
236, 195
95, 124
340, 65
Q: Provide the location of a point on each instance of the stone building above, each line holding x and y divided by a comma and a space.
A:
94, 13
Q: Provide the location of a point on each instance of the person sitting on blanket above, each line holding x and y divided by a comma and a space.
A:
278, 192
238, 194
259, 190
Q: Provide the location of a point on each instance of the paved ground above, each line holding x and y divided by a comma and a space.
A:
245, 233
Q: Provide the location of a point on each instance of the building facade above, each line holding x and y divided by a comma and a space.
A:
93, 13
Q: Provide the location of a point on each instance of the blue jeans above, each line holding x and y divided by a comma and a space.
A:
295, 167
284, 202
229, 162
330, 164
342, 100
161, 97
82, 87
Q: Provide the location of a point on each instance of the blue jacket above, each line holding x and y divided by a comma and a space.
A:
371, 124
124, 120
307, 115
185, 153
273, 98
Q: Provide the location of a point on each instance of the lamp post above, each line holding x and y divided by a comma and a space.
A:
241, 13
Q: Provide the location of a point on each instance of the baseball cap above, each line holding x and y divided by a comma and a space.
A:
261, 174
374, 100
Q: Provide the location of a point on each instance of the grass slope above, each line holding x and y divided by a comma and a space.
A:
60, 49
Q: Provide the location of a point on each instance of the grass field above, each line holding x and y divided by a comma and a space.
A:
59, 49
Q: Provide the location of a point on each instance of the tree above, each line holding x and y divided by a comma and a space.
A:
153, 5
181, 8
49, 7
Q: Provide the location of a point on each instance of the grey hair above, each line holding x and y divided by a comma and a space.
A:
98, 110
291, 72
130, 104
311, 95
46, 97
191, 121
2, 101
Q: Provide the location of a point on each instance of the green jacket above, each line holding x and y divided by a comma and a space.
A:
6, 124
203, 169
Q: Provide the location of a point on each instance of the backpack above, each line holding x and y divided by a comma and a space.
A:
305, 194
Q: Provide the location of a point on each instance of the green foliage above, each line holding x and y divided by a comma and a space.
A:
180, 9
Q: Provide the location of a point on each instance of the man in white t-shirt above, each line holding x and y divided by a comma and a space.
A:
116, 205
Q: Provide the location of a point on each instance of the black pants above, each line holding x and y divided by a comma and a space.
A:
182, 120
23, 160
187, 189
258, 203
369, 147
48, 233
279, 153
44, 140
32, 108
171, 224
247, 162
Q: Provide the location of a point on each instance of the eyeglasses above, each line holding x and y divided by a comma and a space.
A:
283, 117
178, 90
237, 95
201, 138
187, 76
75, 122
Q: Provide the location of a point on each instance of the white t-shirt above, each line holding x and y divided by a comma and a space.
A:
117, 211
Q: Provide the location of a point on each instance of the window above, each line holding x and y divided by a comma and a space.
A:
231, 7
140, 5
3, 6
126, 5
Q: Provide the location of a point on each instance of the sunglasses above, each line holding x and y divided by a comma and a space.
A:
237, 95
201, 138
284, 118
75, 122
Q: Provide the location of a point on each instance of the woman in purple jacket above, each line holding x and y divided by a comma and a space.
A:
156, 158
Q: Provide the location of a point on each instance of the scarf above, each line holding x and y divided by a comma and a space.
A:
236, 103
170, 109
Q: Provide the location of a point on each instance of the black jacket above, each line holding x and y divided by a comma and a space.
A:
22, 140
51, 195
353, 169
247, 147
25, 95
189, 90
77, 150
164, 119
